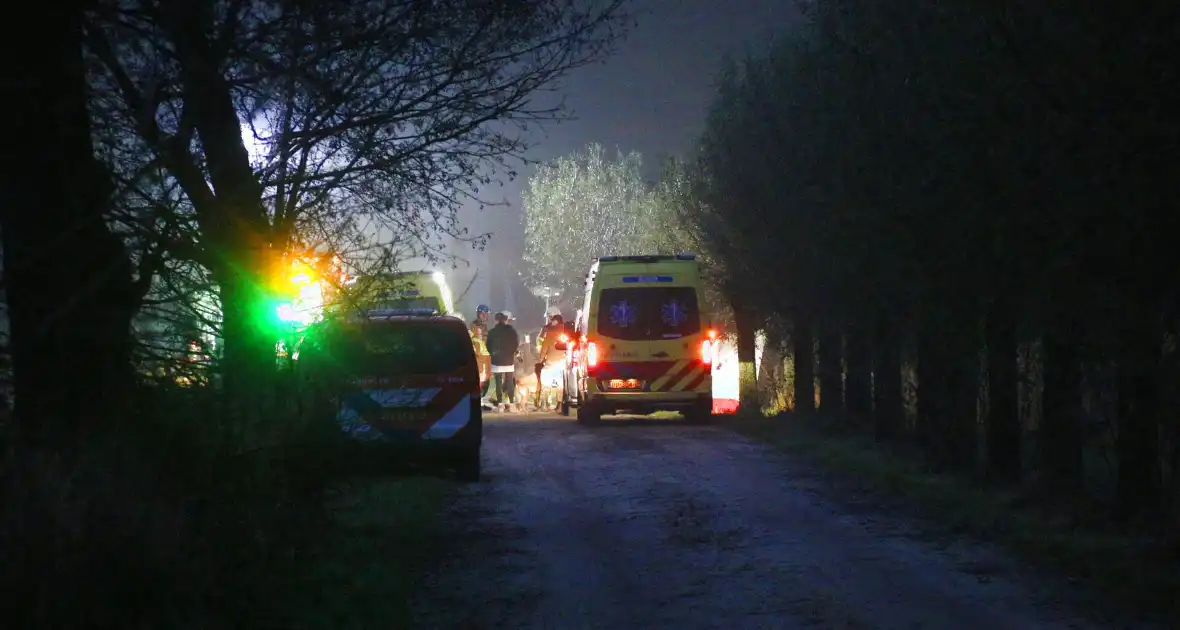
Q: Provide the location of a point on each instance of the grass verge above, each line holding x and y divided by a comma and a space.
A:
382, 537
1128, 571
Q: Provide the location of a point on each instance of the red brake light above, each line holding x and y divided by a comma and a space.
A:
591, 354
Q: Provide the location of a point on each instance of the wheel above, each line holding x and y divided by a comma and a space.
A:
700, 413
588, 414
565, 406
468, 465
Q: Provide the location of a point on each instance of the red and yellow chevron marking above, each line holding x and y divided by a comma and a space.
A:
684, 376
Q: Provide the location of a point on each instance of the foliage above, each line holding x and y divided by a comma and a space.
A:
582, 206
369, 125
924, 190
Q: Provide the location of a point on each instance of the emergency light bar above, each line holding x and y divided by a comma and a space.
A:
646, 258
645, 279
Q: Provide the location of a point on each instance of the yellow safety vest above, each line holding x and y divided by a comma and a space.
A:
481, 348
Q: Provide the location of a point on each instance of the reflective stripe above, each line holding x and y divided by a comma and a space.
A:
354, 427
693, 379
408, 397
453, 420
659, 383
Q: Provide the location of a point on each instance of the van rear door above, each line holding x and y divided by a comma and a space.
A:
409, 379
657, 324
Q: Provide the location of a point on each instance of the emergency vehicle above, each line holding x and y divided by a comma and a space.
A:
408, 378
641, 341
407, 290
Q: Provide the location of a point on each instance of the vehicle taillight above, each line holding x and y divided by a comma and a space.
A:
591, 354
707, 348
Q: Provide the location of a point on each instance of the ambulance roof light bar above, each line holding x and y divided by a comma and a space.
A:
647, 258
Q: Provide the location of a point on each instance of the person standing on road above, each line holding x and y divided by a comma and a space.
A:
549, 358
480, 325
502, 343
479, 339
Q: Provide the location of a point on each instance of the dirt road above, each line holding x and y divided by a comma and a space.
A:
658, 525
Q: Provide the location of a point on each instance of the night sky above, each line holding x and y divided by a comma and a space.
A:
650, 97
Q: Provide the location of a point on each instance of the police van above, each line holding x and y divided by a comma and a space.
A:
642, 341
405, 378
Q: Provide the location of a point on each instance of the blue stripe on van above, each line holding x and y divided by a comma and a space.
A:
638, 279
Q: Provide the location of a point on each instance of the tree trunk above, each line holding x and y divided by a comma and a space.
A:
68, 278
497, 283
947, 389
235, 225
888, 403
858, 393
1059, 437
770, 368
248, 360
1139, 476
748, 395
931, 390
1003, 401
831, 377
804, 351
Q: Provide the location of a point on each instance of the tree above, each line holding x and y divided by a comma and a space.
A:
371, 113
69, 284
579, 207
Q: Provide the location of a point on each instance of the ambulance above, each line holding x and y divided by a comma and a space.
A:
642, 341
408, 291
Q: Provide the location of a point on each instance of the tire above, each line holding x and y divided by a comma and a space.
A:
588, 415
565, 405
468, 465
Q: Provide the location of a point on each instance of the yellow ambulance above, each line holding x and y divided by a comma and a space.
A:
418, 292
642, 341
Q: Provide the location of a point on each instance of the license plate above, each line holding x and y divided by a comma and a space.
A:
404, 417
624, 383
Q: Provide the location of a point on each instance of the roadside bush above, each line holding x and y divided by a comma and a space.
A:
175, 522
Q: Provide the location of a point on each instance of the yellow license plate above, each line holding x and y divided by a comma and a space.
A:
624, 383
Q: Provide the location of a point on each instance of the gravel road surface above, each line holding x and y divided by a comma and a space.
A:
656, 524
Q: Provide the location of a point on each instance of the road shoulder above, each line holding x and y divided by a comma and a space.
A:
382, 540
1126, 574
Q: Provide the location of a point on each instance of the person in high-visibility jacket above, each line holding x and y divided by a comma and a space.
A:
550, 360
479, 340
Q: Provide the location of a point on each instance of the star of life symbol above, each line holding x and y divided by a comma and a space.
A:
673, 313
622, 314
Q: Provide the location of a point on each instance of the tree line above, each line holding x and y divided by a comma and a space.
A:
953, 222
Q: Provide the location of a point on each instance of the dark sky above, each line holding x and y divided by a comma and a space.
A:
650, 96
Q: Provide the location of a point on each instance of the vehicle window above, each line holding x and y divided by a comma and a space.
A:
406, 303
378, 349
645, 313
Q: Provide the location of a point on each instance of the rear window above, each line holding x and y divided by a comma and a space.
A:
380, 349
394, 302
646, 313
